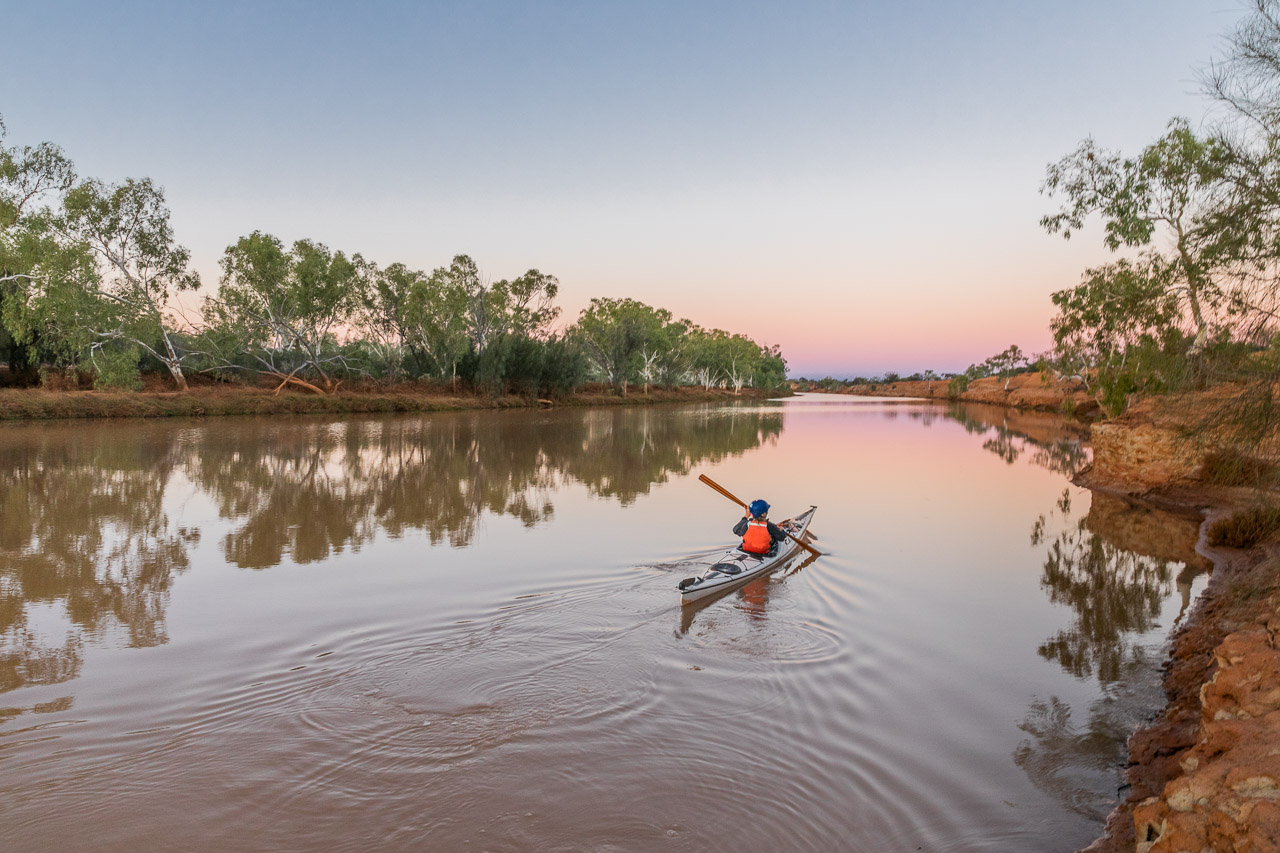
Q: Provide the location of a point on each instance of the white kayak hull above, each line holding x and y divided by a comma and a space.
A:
735, 566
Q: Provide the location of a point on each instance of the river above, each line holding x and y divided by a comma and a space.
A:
462, 632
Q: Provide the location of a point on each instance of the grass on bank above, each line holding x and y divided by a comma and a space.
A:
222, 399
1245, 527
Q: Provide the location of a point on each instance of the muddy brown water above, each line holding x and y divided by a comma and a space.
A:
461, 632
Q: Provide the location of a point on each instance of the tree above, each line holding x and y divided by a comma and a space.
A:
742, 358
771, 369
525, 306
614, 332
32, 180
437, 322
1111, 309
126, 227
287, 306
1173, 184
383, 316
1005, 364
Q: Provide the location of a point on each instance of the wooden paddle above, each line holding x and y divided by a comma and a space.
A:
731, 496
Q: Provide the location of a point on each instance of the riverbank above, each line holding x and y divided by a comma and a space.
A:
1205, 774
1023, 391
218, 400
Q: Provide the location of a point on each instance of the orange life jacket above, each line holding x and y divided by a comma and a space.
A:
757, 539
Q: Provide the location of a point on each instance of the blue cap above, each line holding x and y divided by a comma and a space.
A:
758, 508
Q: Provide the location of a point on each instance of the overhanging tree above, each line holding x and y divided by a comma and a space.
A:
1174, 185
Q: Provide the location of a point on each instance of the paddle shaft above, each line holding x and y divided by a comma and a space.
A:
731, 496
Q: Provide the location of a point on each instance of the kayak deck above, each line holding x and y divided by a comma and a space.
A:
736, 566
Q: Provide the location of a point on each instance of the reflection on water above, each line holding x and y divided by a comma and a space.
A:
83, 524
465, 634
1053, 442
1115, 587
1112, 568
309, 491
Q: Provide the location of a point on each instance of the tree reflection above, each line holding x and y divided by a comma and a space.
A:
1113, 568
312, 490
1053, 442
1114, 593
82, 528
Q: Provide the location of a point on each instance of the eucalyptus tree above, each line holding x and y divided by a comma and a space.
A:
771, 369
704, 363
382, 317
742, 358
32, 261
1006, 363
1173, 186
1108, 313
660, 352
523, 306
287, 307
1247, 82
437, 323
615, 332
126, 228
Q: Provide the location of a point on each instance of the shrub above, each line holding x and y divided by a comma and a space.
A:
1245, 527
117, 369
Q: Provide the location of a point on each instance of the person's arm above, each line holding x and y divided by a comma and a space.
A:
776, 532
741, 527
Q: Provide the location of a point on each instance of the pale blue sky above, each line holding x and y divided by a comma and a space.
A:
855, 181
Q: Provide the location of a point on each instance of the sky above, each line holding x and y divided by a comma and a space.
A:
857, 182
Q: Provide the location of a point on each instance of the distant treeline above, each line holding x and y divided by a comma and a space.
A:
1005, 364
89, 272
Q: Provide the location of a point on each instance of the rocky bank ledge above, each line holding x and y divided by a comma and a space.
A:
1204, 775
1024, 391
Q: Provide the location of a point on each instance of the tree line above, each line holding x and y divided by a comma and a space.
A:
90, 273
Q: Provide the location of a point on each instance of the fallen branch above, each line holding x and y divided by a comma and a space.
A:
285, 380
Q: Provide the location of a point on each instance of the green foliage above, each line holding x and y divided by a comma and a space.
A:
564, 367
957, 385
284, 307
771, 370
616, 335
88, 269
116, 368
126, 227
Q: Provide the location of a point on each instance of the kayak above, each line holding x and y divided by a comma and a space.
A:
736, 566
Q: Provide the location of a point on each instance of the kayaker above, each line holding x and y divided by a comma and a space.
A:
757, 531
